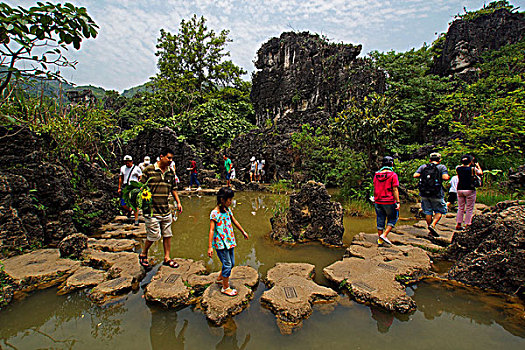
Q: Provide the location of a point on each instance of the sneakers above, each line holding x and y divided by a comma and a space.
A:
188, 189
380, 241
432, 231
383, 237
136, 223
198, 189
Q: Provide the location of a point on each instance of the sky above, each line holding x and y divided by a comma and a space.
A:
123, 53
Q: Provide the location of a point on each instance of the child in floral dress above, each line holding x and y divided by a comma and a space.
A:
222, 238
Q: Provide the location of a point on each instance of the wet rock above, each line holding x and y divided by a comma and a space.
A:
292, 292
219, 307
467, 40
490, 254
397, 240
83, 277
112, 245
39, 269
176, 287
117, 264
310, 216
106, 290
73, 245
376, 275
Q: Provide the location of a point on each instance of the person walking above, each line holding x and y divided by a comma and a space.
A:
466, 190
227, 168
253, 169
386, 199
128, 172
431, 178
452, 192
158, 224
221, 237
145, 163
193, 175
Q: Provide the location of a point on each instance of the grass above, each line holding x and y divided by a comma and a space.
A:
491, 196
358, 207
281, 187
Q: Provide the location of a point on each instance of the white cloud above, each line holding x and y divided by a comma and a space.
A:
123, 55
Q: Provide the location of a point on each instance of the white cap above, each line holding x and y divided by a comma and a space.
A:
127, 157
147, 158
252, 159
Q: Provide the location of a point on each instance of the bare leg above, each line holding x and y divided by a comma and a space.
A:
428, 219
136, 215
225, 282
437, 217
387, 230
166, 242
147, 244
379, 232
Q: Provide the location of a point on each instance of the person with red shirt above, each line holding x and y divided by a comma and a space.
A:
193, 175
386, 199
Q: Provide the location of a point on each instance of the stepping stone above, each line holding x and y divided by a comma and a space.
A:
219, 307
39, 269
293, 292
117, 264
112, 245
398, 239
83, 277
378, 280
172, 288
109, 289
420, 231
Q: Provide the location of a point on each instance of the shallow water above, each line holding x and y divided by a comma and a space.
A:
447, 317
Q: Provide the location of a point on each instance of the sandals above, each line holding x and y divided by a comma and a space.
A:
143, 261
171, 263
229, 291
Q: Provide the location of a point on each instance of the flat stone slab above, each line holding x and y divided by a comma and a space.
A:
420, 230
84, 277
398, 239
172, 287
375, 274
39, 269
293, 292
109, 289
117, 264
219, 307
112, 244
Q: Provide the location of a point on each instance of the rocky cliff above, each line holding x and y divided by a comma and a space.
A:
467, 40
300, 78
42, 201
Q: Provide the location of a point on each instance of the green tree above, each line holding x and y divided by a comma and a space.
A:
49, 29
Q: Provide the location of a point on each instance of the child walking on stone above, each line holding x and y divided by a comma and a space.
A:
222, 238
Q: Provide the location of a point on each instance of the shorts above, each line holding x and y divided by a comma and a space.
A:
122, 202
157, 226
227, 259
431, 205
452, 197
228, 176
388, 213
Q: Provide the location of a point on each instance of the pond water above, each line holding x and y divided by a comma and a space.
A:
446, 318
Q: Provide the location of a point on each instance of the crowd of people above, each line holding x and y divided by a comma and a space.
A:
431, 177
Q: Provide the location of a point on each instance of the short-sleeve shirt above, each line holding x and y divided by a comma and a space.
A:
223, 236
161, 185
454, 184
227, 164
132, 173
442, 171
193, 166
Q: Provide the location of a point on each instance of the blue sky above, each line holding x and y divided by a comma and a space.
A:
123, 54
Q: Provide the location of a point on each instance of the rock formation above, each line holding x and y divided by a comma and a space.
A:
84, 97
38, 202
467, 40
301, 78
311, 216
491, 253
73, 245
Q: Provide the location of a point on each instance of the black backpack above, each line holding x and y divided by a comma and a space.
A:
430, 181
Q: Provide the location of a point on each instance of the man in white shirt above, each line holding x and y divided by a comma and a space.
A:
145, 163
128, 172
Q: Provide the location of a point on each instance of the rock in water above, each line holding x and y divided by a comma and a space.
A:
73, 245
491, 253
311, 216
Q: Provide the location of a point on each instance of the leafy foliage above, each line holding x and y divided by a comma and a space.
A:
48, 26
485, 10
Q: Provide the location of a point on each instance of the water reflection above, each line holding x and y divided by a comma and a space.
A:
163, 331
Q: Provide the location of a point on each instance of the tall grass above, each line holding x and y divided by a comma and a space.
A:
492, 196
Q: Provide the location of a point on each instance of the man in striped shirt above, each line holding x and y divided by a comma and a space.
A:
158, 224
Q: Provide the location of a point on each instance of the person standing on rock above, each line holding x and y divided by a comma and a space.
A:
193, 175
466, 190
128, 172
161, 182
386, 199
253, 169
431, 190
228, 169
222, 238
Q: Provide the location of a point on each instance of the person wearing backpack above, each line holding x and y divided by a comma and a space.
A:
466, 189
431, 190
386, 199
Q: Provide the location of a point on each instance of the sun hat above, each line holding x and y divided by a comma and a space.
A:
147, 158
252, 159
127, 157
